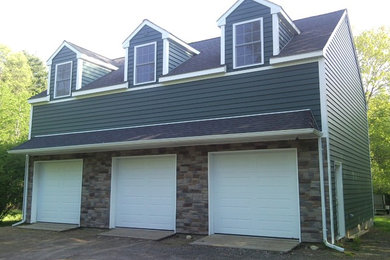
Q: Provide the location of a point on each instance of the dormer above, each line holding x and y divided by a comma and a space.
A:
72, 67
253, 31
151, 52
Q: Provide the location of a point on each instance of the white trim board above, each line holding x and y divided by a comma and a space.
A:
260, 19
292, 58
306, 133
55, 79
193, 74
135, 64
44, 99
99, 90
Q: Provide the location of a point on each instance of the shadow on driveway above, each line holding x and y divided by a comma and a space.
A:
85, 243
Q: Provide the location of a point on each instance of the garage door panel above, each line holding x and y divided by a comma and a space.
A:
255, 193
145, 192
59, 191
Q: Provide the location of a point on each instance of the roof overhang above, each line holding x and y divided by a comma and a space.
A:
80, 56
165, 35
307, 133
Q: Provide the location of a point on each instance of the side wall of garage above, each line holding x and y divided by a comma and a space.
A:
192, 184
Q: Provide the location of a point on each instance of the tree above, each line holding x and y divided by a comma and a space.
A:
39, 73
373, 50
21, 76
379, 129
16, 80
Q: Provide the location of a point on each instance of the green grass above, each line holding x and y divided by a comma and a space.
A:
13, 217
382, 223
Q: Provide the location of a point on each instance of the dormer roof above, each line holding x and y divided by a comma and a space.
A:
275, 9
165, 35
84, 54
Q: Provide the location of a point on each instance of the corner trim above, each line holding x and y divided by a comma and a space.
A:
126, 65
323, 97
335, 30
165, 56
222, 44
79, 73
275, 34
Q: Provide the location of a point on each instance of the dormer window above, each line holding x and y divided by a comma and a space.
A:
63, 79
248, 41
145, 63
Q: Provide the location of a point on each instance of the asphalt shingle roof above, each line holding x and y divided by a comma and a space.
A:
315, 32
249, 124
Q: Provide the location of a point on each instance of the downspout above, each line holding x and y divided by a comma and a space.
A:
323, 205
25, 189
330, 190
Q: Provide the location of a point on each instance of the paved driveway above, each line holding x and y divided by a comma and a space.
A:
85, 243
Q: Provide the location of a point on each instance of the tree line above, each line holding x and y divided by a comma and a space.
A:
23, 75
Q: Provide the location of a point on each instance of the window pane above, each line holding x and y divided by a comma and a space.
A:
145, 73
145, 61
63, 80
248, 43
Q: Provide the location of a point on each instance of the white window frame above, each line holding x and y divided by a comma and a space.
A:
261, 40
135, 63
55, 79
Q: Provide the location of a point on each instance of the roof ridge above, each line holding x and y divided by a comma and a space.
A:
314, 16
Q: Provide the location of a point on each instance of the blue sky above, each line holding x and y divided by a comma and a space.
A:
40, 26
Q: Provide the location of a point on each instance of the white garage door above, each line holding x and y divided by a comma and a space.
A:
145, 192
58, 191
254, 193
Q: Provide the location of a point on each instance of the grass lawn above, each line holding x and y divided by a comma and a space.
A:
382, 223
13, 217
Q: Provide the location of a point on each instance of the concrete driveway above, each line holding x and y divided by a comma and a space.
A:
85, 243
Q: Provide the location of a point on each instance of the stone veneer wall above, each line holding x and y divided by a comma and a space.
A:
192, 184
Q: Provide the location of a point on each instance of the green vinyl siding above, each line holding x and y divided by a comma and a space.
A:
144, 36
248, 10
92, 72
280, 89
348, 130
177, 55
64, 55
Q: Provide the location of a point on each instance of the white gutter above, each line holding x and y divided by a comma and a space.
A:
25, 191
323, 210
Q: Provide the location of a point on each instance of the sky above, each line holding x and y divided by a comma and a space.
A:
40, 26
